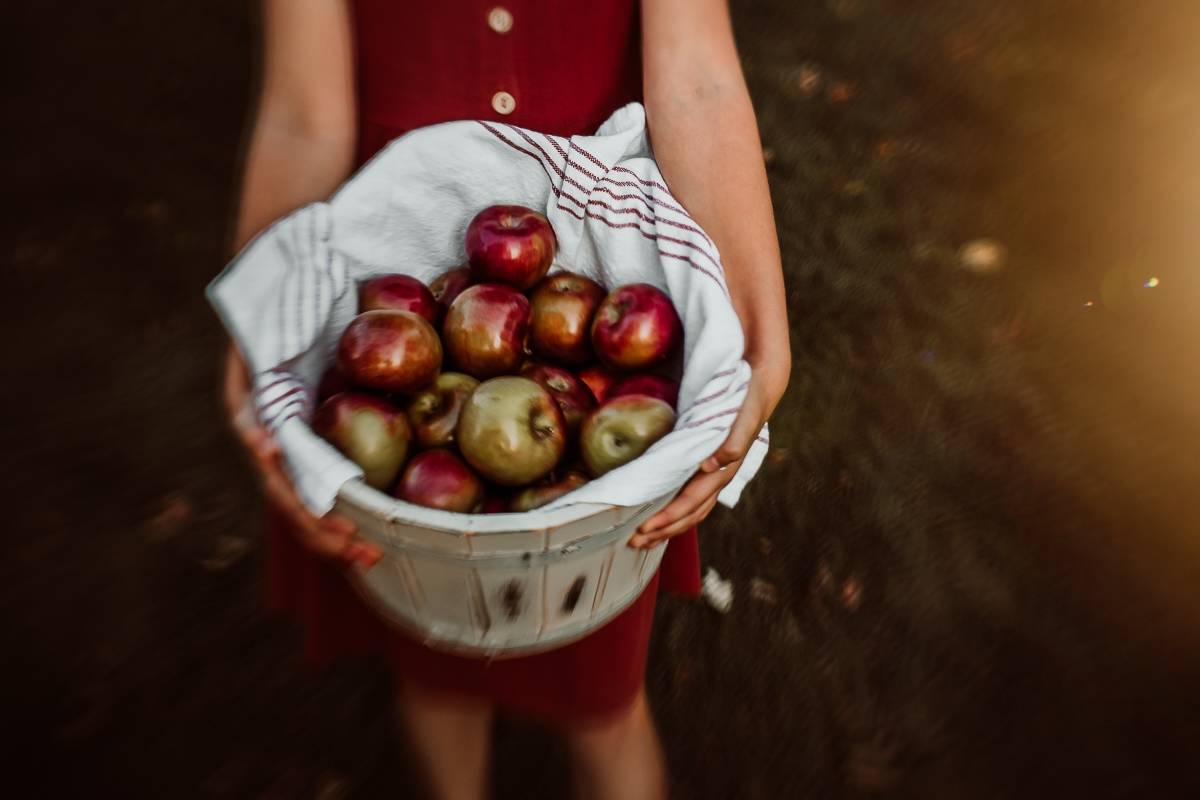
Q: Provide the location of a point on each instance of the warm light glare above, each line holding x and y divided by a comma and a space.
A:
1150, 284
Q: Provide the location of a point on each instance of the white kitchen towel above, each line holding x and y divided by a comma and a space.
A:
288, 296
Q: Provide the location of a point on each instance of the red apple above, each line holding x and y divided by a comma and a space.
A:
622, 429
370, 432
511, 431
650, 385
332, 382
561, 311
449, 285
573, 396
494, 503
485, 330
635, 327
434, 412
599, 380
440, 479
399, 293
542, 494
510, 244
391, 351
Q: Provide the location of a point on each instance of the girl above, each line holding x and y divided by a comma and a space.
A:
341, 78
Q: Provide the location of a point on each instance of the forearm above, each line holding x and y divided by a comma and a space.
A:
706, 142
302, 144
288, 167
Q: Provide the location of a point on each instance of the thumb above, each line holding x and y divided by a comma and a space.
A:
264, 446
745, 427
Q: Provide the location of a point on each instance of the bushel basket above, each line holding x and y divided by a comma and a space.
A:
491, 584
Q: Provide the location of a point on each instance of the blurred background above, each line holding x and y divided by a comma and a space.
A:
969, 569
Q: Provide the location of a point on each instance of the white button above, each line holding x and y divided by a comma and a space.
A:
500, 19
504, 103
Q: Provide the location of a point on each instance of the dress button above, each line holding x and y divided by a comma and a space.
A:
504, 103
500, 19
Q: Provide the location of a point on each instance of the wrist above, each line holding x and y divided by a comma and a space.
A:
771, 367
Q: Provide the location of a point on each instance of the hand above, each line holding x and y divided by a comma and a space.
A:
330, 536
697, 499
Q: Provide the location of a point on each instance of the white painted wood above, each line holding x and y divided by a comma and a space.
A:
500, 585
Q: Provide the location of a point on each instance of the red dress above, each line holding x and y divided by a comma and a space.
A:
556, 67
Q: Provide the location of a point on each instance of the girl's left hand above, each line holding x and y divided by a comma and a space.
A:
697, 499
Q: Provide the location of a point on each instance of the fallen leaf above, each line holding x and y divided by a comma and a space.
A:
851, 594
842, 91
764, 591
174, 510
227, 551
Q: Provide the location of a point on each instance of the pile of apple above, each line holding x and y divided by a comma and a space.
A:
550, 381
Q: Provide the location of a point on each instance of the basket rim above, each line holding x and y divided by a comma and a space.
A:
389, 509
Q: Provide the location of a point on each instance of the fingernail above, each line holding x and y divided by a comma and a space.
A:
637, 541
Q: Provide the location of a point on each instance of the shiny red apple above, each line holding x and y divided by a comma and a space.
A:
635, 327
449, 285
510, 244
485, 329
573, 396
440, 479
494, 503
536, 496
390, 351
433, 412
511, 431
399, 293
664, 389
561, 311
599, 380
622, 429
370, 432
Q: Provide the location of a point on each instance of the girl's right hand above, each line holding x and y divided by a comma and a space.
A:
330, 536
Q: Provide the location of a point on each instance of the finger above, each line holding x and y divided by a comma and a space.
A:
327, 543
684, 503
746, 426
266, 449
682, 525
675, 528
362, 554
338, 524
281, 493
698, 489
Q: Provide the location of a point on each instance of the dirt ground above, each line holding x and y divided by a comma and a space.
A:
969, 568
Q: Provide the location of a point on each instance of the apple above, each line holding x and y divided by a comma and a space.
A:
484, 331
511, 431
399, 293
370, 432
542, 494
494, 504
635, 327
332, 382
573, 396
622, 429
440, 479
561, 311
510, 244
391, 351
664, 389
449, 285
433, 412
599, 380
